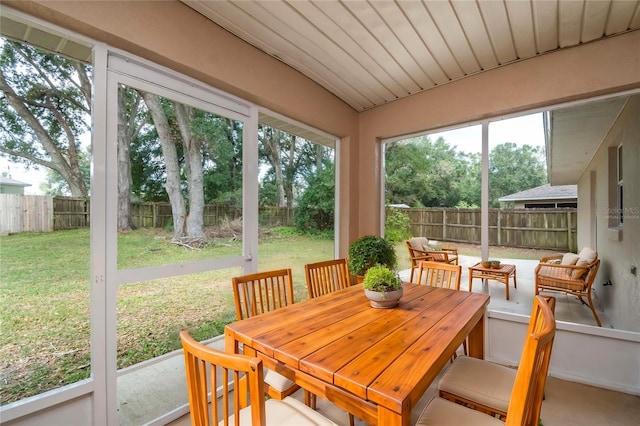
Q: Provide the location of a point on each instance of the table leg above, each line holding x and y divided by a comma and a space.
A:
506, 281
476, 340
391, 418
230, 342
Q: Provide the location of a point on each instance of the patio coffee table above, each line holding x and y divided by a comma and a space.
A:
501, 274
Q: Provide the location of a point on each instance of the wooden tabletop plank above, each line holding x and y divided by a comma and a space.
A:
361, 371
355, 315
413, 371
333, 352
303, 317
360, 311
268, 331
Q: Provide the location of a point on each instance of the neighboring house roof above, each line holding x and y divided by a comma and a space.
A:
544, 192
12, 182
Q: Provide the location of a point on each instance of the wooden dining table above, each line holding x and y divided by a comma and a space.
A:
373, 363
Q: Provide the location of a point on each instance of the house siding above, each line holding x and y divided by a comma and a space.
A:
619, 251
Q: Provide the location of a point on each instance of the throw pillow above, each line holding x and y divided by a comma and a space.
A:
569, 259
554, 261
587, 255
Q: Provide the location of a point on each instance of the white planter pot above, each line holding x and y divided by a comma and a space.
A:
386, 300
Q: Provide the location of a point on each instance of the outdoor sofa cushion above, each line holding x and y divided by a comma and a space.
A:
587, 256
569, 259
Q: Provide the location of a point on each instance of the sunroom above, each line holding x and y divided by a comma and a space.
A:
354, 76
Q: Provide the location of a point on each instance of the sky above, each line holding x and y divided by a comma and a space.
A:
521, 130
18, 172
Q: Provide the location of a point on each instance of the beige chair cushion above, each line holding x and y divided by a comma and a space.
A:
442, 412
287, 412
277, 380
418, 243
569, 259
559, 278
481, 381
587, 256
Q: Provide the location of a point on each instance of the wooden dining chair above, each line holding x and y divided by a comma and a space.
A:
326, 277
236, 385
474, 391
261, 292
438, 274
323, 278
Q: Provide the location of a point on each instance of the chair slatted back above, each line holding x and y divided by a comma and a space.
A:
438, 274
262, 292
528, 389
236, 380
326, 277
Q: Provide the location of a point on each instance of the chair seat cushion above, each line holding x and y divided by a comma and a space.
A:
442, 412
277, 380
440, 257
560, 278
481, 381
286, 412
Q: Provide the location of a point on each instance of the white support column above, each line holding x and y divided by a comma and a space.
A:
484, 202
250, 192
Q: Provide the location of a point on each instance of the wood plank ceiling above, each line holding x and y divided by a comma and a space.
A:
370, 52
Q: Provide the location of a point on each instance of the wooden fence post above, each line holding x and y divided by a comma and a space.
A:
499, 227
569, 233
444, 224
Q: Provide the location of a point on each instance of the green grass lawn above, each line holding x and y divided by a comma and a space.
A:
44, 300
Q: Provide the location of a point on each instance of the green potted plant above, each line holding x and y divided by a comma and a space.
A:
382, 286
368, 251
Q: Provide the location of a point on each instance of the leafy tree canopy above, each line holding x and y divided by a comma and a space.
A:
421, 172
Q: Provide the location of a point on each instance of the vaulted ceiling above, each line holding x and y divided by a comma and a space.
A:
370, 52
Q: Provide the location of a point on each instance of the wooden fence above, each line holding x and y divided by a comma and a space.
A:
25, 213
71, 213
553, 229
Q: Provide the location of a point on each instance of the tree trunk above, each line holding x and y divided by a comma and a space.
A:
172, 166
287, 184
193, 154
125, 223
273, 151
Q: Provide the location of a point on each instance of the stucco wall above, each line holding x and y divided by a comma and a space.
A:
619, 301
